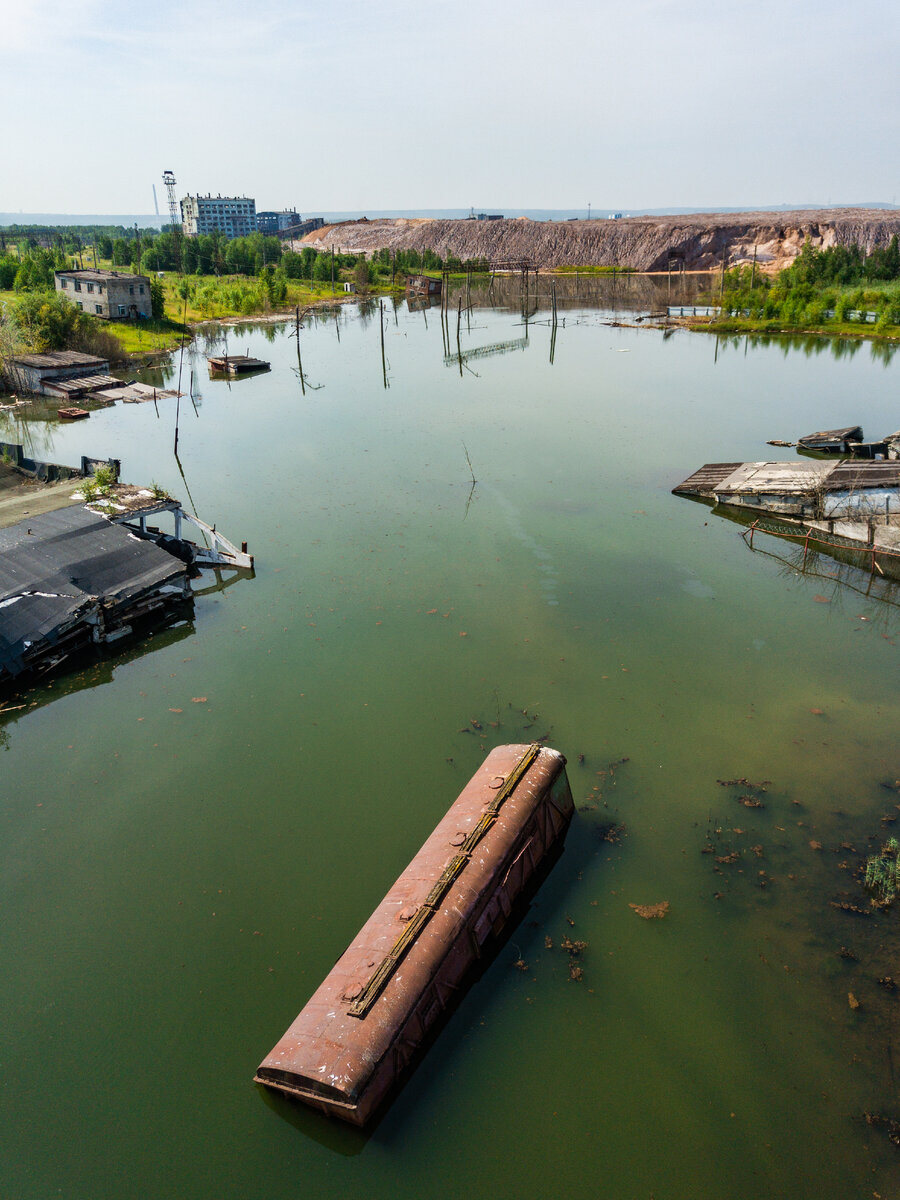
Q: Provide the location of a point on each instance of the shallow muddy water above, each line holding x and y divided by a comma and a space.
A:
192, 832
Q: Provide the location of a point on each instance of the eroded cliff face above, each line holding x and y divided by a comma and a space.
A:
700, 241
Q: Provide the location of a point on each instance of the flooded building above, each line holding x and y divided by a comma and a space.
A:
82, 567
410, 963
810, 489
57, 372
423, 285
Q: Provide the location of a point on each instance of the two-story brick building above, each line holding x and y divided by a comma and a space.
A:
113, 295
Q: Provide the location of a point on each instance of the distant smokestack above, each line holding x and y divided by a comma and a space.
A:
155, 205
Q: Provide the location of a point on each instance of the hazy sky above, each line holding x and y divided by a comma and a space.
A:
391, 104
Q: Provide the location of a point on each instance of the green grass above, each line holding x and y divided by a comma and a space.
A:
853, 329
146, 337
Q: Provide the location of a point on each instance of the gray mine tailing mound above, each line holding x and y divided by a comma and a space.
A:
642, 243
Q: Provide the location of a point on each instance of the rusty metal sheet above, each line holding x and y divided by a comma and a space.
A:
347, 1064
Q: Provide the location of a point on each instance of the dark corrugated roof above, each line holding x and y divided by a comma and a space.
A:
56, 566
850, 476
59, 358
705, 481
834, 435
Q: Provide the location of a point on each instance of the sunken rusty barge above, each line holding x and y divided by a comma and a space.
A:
411, 961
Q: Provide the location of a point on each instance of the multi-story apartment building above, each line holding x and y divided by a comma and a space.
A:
234, 216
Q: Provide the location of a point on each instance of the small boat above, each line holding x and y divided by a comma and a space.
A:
72, 414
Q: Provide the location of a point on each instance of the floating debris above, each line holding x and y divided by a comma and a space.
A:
750, 802
888, 1124
611, 832
651, 911
236, 364
762, 786
847, 907
852, 1001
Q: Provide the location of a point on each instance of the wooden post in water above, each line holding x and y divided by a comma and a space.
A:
553, 325
299, 359
381, 324
458, 345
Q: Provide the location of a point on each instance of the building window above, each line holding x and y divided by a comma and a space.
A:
64, 283
98, 308
141, 288
131, 290
77, 286
90, 287
80, 305
100, 288
121, 310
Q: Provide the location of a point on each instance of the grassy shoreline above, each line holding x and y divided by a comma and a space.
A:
770, 328
147, 340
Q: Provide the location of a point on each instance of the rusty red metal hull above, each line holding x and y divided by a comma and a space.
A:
350, 1046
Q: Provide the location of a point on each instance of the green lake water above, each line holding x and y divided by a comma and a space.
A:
193, 831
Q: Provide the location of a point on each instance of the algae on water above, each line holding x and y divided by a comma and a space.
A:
882, 873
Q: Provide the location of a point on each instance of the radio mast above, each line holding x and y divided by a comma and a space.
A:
174, 214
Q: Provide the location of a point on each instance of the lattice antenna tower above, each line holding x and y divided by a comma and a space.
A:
174, 212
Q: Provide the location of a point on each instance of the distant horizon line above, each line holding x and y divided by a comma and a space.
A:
333, 216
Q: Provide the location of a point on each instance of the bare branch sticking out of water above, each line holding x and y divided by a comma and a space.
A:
469, 461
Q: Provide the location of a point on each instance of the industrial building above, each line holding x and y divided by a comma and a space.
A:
277, 222
234, 216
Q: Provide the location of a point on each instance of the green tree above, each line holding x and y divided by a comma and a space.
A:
45, 320
157, 299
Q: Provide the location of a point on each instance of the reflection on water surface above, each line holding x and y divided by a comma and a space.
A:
179, 876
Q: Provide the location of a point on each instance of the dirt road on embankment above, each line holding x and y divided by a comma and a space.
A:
700, 240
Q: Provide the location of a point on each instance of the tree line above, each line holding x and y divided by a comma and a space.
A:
819, 286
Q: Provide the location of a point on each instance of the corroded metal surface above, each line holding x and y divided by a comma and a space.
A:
344, 1056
